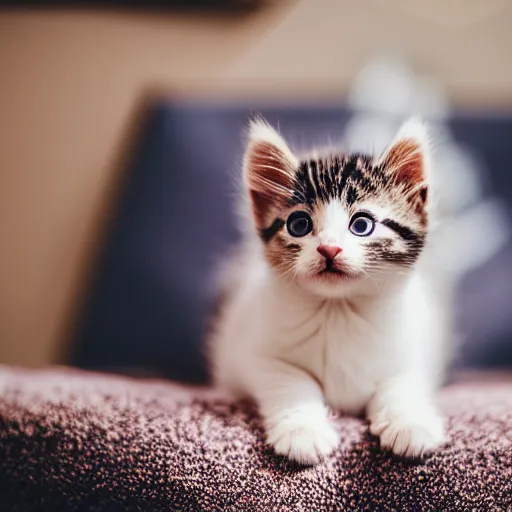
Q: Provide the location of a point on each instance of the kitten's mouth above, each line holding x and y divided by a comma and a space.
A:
333, 276
332, 272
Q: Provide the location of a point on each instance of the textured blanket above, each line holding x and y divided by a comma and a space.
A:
78, 441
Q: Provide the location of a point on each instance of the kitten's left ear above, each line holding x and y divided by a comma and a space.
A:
407, 159
269, 167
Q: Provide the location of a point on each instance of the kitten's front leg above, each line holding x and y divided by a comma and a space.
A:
402, 414
295, 416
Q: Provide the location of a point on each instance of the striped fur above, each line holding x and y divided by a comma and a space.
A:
392, 188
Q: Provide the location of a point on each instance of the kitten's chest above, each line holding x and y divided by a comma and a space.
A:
344, 351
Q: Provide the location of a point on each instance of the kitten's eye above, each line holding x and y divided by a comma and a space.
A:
299, 224
362, 225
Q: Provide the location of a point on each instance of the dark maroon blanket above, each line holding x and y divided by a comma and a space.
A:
76, 441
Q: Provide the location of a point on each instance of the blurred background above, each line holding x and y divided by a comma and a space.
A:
120, 129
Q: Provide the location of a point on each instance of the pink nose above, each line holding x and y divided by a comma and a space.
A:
329, 252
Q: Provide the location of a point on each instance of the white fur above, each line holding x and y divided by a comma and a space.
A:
372, 345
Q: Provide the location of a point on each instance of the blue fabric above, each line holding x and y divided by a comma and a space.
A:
148, 305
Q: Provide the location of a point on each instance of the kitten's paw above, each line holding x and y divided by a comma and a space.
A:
305, 440
409, 435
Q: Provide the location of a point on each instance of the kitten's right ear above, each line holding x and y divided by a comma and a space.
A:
407, 158
269, 167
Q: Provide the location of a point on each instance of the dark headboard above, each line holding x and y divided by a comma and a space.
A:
148, 304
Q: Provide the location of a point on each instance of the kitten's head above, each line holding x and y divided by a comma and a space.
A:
339, 221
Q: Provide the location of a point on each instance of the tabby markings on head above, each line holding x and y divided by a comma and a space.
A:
278, 181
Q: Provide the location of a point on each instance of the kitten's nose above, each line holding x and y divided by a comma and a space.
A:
329, 252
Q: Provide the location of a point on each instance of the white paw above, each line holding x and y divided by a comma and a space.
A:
304, 439
409, 435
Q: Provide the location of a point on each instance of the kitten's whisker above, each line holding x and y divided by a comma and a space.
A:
373, 280
289, 273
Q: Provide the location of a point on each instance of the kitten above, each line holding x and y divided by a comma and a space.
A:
329, 305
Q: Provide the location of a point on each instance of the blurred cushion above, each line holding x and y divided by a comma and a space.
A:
148, 305
79, 441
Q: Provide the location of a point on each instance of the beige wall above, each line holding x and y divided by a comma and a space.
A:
320, 45
71, 85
